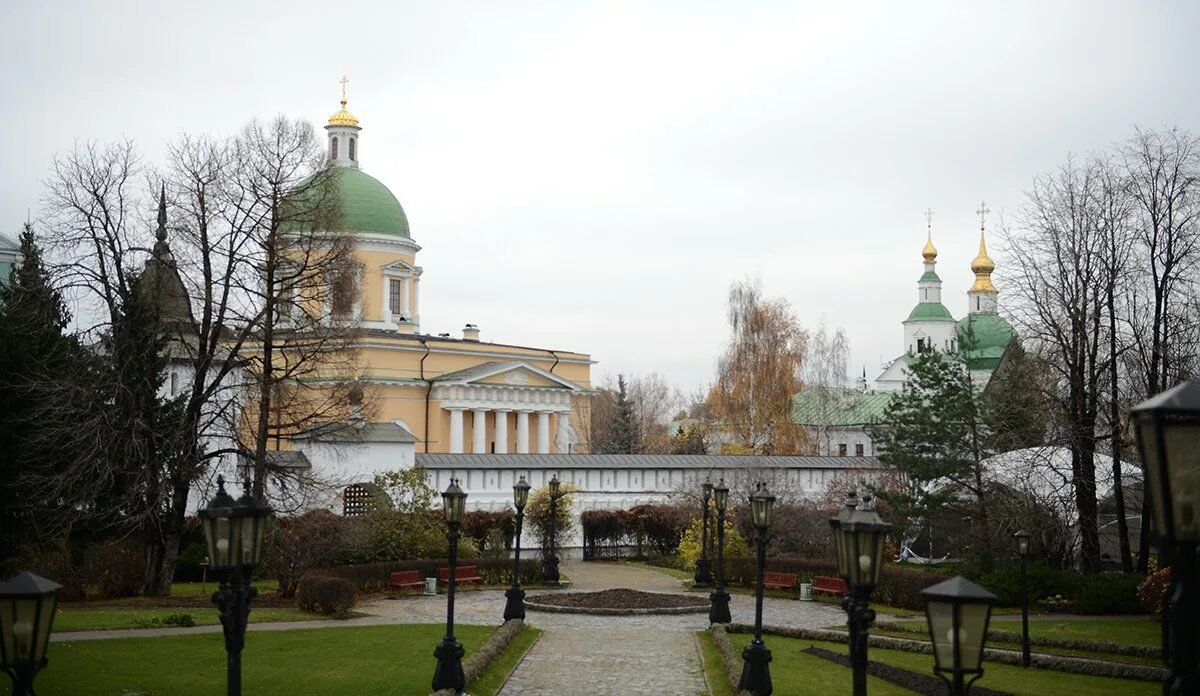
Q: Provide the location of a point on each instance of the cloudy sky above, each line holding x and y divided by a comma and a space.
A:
593, 176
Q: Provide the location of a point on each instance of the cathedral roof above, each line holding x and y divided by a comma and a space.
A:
929, 311
982, 339
843, 408
368, 205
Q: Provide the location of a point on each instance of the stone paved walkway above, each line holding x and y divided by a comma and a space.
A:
605, 655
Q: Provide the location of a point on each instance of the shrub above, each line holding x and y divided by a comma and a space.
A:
324, 594
480, 524
56, 565
1109, 593
391, 535
187, 566
1044, 581
373, 577
298, 545
898, 587
118, 568
689, 546
537, 515
179, 618
1154, 591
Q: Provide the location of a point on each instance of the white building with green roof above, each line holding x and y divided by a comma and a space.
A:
10, 255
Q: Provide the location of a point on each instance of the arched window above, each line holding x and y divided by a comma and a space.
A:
333, 149
976, 303
353, 153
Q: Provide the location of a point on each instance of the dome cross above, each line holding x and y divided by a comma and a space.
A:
982, 213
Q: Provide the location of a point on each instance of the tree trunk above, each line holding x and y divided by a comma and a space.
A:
1085, 501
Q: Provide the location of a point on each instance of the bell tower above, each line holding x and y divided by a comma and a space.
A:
343, 133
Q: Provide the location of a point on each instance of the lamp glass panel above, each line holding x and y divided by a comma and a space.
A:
220, 542
8, 611
721, 496
940, 616
870, 555
24, 622
839, 545
1023, 545
972, 625
850, 539
45, 609
1148, 434
1182, 444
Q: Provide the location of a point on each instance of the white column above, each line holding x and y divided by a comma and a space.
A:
522, 432
562, 441
456, 431
479, 432
414, 307
543, 432
501, 432
404, 306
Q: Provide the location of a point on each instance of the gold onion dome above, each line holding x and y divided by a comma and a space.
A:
982, 267
929, 252
343, 117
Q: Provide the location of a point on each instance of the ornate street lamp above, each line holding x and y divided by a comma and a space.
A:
1168, 433
756, 658
843, 561
958, 611
27, 605
703, 577
1022, 538
449, 653
718, 609
550, 570
234, 532
860, 555
515, 607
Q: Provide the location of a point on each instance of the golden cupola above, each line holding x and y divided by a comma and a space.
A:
343, 117
929, 253
982, 267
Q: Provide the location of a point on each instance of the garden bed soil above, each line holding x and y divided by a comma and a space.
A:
618, 601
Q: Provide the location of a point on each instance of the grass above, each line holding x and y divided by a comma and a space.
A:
795, 672
714, 671
182, 593
106, 619
1136, 631
393, 660
497, 673
1045, 650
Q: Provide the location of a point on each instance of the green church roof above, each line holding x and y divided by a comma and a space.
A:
982, 340
368, 205
929, 275
930, 311
845, 407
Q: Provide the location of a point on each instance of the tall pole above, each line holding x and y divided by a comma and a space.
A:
550, 573
1184, 678
233, 602
862, 616
756, 671
515, 607
449, 672
718, 601
1024, 614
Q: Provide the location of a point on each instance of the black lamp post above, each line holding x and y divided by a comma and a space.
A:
27, 605
718, 609
449, 653
958, 611
1168, 433
550, 569
515, 607
756, 658
234, 532
843, 561
1022, 538
860, 555
703, 577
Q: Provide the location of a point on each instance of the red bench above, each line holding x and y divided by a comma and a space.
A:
782, 581
461, 574
824, 583
406, 579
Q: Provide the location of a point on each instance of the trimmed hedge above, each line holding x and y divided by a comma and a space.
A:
373, 577
898, 587
324, 594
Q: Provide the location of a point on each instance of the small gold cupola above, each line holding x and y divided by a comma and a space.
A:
929, 253
983, 265
343, 117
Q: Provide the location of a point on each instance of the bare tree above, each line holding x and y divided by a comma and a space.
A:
825, 377
758, 374
1061, 280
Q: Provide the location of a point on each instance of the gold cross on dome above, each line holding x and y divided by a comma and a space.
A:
982, 213
344, 80
929, 220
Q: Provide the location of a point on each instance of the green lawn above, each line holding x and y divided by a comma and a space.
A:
1134, 631
103, 619
368, 660
795, 672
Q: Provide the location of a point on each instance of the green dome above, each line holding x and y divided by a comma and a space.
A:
368, 205
983, 339
930, 311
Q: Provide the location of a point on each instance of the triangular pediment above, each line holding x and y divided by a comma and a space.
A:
516, 373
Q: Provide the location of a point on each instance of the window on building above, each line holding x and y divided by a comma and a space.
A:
353, 153
976, 304
842, 449
395, 297
921, 345
858, 450
356, 500
333, 149
342, 293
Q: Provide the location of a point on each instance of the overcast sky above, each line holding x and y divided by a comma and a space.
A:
592, 177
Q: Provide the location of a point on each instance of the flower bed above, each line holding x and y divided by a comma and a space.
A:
618, 601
